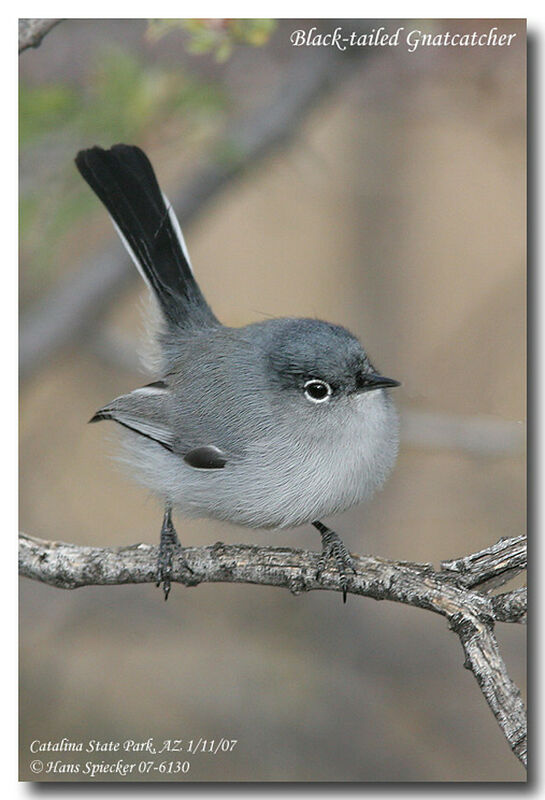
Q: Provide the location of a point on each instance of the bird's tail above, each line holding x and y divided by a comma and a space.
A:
124, 180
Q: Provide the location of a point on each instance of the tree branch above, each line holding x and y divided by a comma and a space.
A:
511, 606
471, 614
32, 31
491, 567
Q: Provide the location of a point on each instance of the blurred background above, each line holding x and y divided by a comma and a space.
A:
378, 189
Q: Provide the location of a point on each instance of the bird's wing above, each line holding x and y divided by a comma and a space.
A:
147, 411
144, 411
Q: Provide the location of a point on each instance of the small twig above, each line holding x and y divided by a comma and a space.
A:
491, 567
511, 606
32, 31
471, 614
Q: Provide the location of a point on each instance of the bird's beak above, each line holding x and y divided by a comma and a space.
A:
373, 381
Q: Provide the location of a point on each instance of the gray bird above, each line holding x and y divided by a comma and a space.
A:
271, 425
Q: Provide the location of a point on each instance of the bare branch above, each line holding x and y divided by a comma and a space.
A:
471, 614
511, 606
485, 662
479, 434
491, 567
32, 31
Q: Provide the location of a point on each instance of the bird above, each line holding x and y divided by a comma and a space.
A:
270, 425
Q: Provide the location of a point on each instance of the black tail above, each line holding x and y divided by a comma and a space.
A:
124, 180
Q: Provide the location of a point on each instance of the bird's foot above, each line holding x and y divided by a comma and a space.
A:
334, 547
168, 547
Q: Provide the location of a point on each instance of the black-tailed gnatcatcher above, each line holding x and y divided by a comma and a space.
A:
272, 425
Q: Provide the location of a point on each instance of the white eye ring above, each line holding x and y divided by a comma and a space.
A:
317, 391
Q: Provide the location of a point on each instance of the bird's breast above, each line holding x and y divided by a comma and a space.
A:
308, 471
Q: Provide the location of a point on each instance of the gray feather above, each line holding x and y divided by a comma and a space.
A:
289, 461
144, 411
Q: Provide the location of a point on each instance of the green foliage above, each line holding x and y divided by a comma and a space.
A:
125, 96
121, 99
45, 108
217, 36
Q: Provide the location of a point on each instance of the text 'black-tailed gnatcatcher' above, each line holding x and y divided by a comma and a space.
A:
272, 425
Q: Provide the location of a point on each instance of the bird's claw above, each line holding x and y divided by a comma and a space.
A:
334, 547
169, 546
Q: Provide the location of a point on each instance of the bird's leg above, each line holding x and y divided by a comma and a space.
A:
333, 546
169, 544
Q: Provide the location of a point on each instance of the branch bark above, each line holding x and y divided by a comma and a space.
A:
491, 567
471, 614
32, 31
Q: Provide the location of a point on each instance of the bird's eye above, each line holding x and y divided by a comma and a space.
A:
317, 391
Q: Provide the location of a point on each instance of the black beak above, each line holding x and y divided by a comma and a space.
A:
370, 381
